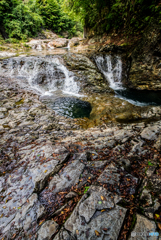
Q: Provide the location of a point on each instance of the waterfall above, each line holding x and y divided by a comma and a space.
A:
111, 67
45, 75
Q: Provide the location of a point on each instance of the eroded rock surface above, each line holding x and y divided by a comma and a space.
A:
93, 223
145, 65
86, 70
58, 181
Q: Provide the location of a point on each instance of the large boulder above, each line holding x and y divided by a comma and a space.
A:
75, 41
88, 75
60, 42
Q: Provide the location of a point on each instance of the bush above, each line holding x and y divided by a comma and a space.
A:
56, 19
21, 19
23, 22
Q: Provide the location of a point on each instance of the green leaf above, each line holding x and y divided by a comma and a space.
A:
86, 189
150, 164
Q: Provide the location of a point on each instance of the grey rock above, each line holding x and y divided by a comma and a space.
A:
96, 164
126, 163
121, 134
88, 218
2, 181
64, 235
68, 178
154, 182
47, 230
71, 195
150, 171
26, 218
90, 79
146, 196
137, 146
150, 133
88, 207
157, 145
112, 177
143, 227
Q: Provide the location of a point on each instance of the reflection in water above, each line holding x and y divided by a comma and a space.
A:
140, 98
70, 107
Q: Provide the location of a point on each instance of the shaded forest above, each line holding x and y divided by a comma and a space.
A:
23, 19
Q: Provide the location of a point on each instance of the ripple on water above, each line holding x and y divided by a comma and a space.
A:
70, 107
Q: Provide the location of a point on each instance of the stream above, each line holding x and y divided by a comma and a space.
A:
60, 89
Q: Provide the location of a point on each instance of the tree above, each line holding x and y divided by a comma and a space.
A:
24, 20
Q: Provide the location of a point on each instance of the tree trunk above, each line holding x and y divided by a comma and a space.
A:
3, 32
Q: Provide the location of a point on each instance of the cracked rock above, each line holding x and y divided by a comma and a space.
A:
89, 219
150, 133
142, 228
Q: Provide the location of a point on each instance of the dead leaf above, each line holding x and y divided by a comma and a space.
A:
77, 232
103, 198
14, 235
97, 233
159, 226
45, 171
41, 222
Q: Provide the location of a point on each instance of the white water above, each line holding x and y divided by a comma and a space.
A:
45, 75
68, 45
111, 67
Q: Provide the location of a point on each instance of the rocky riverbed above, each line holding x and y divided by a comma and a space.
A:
59, 181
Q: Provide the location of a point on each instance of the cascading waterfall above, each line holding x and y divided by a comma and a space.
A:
50, 78
45, 75
111, 67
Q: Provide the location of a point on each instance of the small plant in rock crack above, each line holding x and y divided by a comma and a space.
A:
150, 163
86, 189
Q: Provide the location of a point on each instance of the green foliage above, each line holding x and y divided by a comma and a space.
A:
22, 19
86, 189
23, 22
103, 15
150, 164
55, 18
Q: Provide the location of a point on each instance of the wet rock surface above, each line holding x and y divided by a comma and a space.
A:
87, 73
58, 181
49, 41
145, 64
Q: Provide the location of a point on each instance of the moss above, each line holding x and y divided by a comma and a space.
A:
133, 222
20, 102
